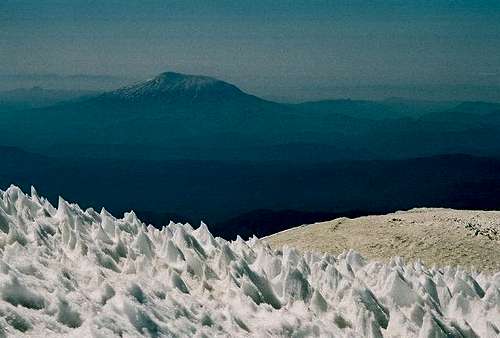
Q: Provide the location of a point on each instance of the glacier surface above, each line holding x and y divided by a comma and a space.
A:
74, 273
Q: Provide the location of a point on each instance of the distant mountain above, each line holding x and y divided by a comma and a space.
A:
357, 109
258, 197
460, 120
477, 107
189, 116
180, 116
176, 88
466, 116
64, 82
395, 108
171, 109
416, 108
36, 97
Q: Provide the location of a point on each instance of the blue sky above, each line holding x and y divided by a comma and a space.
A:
261, 45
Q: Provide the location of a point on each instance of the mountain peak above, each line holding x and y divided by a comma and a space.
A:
178, 81
177, 86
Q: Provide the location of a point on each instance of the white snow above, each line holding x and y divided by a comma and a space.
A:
74, 273
170, 82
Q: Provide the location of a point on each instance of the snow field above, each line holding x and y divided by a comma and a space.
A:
69, 272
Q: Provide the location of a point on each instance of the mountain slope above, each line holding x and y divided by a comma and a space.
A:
435, 236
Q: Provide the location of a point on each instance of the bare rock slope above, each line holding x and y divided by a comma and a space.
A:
435, 236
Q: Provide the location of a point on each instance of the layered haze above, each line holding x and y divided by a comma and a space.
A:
249, 165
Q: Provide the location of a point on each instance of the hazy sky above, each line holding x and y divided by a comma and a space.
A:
276, 47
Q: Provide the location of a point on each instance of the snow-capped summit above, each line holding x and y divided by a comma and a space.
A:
171, 86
